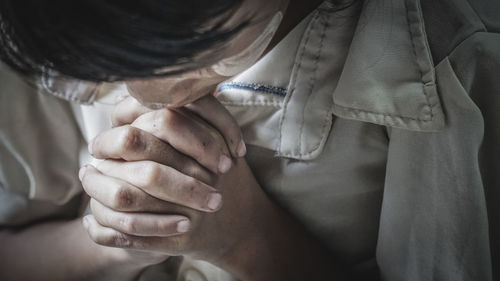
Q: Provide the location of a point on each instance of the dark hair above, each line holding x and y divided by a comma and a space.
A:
106, 40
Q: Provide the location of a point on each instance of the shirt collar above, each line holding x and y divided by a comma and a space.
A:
386, 75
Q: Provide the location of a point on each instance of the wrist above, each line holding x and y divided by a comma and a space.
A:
281, 249
255, 252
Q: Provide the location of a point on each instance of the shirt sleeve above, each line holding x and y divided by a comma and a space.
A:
39, 150
476, 64
439, 217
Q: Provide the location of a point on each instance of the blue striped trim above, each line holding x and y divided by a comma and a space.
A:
254, 87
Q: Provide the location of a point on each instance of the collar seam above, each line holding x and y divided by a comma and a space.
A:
312, 86
414, 25
291, 86
358, 110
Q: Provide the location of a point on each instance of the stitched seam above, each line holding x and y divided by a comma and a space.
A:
329, 113
412, 39
255, 87
382, 114
323, 131
242, 104
311, 83
293, 79
357, 110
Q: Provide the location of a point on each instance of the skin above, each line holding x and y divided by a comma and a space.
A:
62, 250
166, 201
166, 187
188, 87
148, 206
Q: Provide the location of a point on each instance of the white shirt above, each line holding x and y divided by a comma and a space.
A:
385, 157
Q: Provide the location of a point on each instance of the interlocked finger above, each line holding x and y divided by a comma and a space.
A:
107, 236
140, 224
190, 135
165, 183
214, 113
132, 144
119, 195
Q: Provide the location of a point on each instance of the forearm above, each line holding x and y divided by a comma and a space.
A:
59, 251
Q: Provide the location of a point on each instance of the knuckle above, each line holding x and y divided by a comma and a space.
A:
211, 140
128, 224
210, 148
194, 170
118, 240
131, 139
193, 190
114, 239
152, 174
207, 141
164, 117
191, 185
123, 198
161, 226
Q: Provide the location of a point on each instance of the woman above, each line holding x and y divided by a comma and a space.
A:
365, 152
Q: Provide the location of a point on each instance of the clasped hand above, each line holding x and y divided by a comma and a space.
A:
173, 181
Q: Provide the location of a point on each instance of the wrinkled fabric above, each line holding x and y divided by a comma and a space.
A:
376, 127
39, 148
476, 63
434, 224
388, 78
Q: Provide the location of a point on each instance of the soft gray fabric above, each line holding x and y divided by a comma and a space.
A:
39, 148
391, 158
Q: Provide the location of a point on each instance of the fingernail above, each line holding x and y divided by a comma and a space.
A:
85, 223
91, 144
225, 164
214, 201
82, 172
183, 226
242, 149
